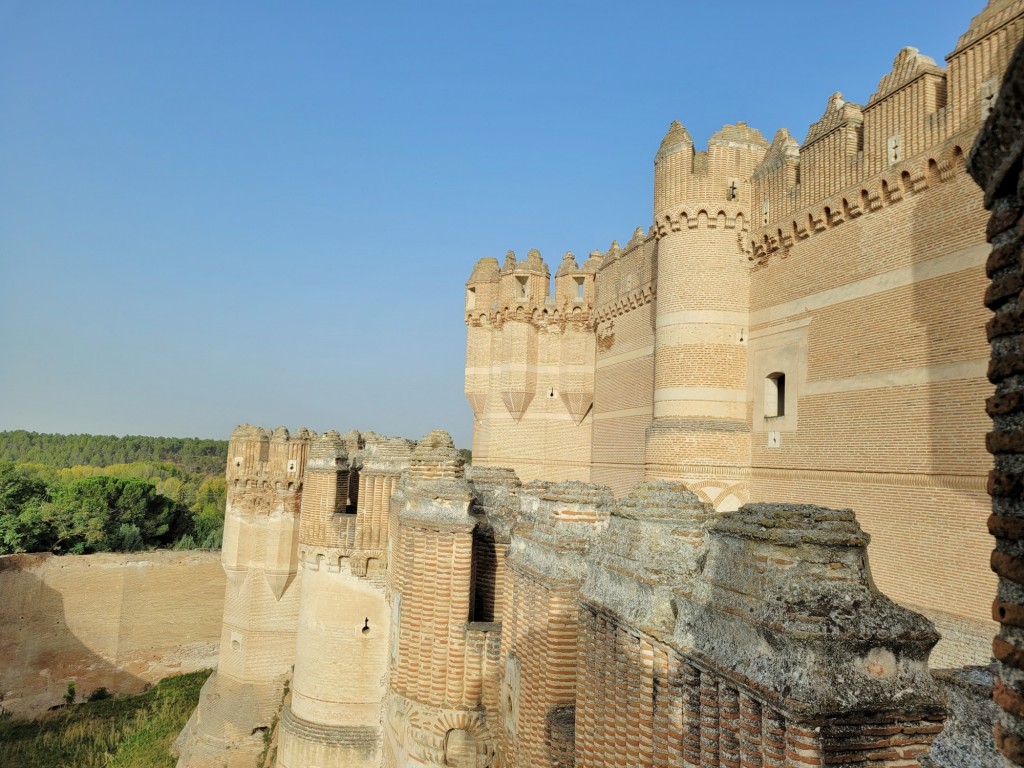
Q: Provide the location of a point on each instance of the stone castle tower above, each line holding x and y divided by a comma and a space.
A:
265, 476
333, 715
530, 356
702, 202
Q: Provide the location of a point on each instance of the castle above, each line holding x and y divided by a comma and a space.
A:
800, 323
386, 606
653, 560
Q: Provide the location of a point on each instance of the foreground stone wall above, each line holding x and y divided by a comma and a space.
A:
996, 164
120, 621
549, 625
649, 631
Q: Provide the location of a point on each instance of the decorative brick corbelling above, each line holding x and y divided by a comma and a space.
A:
681, 218
636, 298
776, 237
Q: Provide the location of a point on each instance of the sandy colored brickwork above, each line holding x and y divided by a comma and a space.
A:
852, 265
119, 621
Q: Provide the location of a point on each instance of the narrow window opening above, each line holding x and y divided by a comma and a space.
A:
894, 148
732, 191
522, 290
775, 395
341, 494
291, 465
483, 599
764, 212
579, 288
470, 298
366, 625
988, 97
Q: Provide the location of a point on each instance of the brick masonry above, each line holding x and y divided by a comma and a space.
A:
850, 265
995, 163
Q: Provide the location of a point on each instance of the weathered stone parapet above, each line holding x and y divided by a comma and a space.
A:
752, 638
384, 454
496, 509
496, 496
433, 491
996, 164
628, 678
435, 457
539, 646
785, 606
966, 739
380, 463
565, 521
654, 544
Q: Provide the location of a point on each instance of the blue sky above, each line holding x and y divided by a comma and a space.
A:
214, 213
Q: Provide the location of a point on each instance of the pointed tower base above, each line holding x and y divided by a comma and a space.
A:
577, 404
517, 401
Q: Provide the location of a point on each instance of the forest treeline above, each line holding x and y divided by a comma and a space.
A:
77, 494
192, 454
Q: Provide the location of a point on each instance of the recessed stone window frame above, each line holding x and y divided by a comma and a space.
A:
775, 395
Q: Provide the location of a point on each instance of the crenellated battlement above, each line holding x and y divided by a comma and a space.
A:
890, 187
520, 291
918, 113
719, 175
265, 461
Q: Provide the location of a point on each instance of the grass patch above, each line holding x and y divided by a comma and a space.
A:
123, 732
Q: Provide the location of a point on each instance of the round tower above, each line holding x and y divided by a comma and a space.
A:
333, 717
434, 714
261, 602
700, 432
482, 290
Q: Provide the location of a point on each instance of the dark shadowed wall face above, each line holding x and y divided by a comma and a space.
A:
119, 621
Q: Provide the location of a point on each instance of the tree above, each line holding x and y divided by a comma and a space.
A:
112, 514
17, 487
22, 496
208, 512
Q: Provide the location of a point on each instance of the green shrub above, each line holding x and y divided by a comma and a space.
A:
99, 694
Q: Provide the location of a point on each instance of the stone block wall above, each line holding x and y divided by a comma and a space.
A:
540, 619
996, 164
757, 642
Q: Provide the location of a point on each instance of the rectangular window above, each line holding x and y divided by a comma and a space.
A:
775, 395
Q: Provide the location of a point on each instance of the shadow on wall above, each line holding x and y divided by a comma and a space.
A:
947, 321
39, 653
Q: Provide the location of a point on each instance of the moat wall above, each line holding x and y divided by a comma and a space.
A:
120, 621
